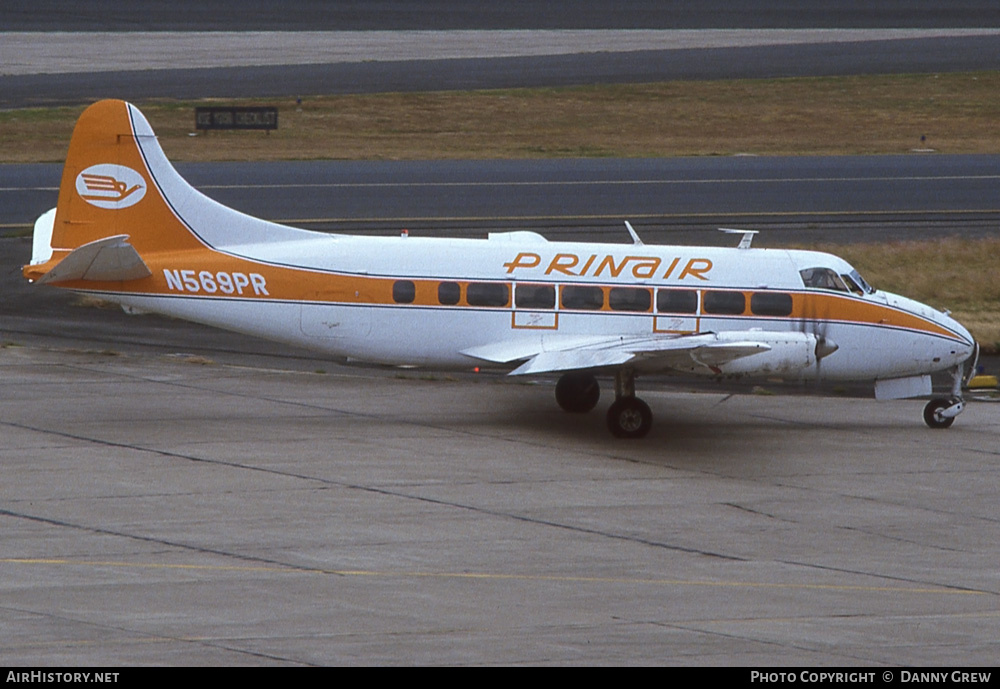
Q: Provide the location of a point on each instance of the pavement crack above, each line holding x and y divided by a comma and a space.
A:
341, 484
149, 539
889, 577
758, 512
64, 620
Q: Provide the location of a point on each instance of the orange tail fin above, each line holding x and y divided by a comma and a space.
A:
121, 202
111, 210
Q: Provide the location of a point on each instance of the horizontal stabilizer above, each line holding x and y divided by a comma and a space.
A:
111, 259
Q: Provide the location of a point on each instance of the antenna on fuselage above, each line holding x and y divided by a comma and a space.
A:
747, 236
631, 231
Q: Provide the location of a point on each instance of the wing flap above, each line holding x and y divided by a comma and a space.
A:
707, 350
507, 351
571, 360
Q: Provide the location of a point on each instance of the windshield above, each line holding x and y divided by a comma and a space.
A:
862, 283
822, 278
852, 285
826, 278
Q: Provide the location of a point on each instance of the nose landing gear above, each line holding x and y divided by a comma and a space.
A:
940, 412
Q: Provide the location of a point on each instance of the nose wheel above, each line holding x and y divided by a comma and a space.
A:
941, 411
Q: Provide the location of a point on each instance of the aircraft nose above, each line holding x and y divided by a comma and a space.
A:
972, 353
962, 332
963, 348
957, 347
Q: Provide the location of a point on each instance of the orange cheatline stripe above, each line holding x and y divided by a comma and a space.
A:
304, 285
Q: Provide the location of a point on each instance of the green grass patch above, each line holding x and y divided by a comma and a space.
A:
957, 113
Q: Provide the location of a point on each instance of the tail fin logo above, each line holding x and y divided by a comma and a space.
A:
110, 186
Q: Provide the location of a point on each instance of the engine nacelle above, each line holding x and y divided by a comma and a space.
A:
788, 354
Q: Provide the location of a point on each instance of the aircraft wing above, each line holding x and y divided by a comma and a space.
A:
708, 350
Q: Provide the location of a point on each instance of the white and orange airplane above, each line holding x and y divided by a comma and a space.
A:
129, 229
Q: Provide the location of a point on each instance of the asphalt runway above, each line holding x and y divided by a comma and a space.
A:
49, 56
676, 200
933, 54
306, 15
175, 495
170, 510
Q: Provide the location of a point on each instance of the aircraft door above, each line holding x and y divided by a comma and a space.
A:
677, 311
335, 321
534, 307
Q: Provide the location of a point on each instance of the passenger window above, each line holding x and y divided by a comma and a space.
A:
403, 292
629, 299
530, 296
677, 301
585, 297
449, 293
487, 294
822, 278
771, 304
729, 303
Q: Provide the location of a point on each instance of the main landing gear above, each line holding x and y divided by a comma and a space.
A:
578, 392
628, 416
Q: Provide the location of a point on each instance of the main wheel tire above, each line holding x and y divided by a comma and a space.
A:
629, 417
932, 416
578, 393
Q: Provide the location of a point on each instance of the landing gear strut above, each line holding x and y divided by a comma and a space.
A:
628, 416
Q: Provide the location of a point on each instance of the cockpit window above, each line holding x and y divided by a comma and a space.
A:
822, 278
862, 283
852, 285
